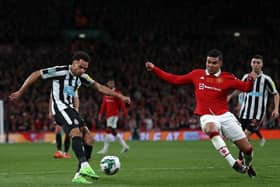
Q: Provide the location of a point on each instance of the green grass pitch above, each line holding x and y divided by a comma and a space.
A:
153, 164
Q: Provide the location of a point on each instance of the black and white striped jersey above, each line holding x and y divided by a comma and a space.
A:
253, 104
65, 85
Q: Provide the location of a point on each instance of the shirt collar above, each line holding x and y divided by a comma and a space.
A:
216, 74
260, 74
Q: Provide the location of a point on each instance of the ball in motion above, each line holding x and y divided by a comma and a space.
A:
110, 165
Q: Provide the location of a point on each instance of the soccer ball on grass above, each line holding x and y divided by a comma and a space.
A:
110, 165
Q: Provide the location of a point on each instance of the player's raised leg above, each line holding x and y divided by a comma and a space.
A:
247, 150
211, 127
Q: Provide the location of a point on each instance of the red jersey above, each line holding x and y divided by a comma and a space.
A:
111, 105
210, 90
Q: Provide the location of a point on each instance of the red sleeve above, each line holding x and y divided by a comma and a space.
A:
123, 108
103, 106
172, 78
243, 86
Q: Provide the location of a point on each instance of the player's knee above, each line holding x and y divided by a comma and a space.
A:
110, 130
57, 129
248, 150
88, 139
210, 128
114, 132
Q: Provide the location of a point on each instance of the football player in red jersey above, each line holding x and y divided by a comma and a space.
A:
111, 106
211, 87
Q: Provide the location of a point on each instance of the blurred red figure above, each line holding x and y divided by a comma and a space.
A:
111, 106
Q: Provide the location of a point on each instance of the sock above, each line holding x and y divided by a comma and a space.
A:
106, 142
78, 148
220, 145
88, 151
240, 155
79, 167
248, 156
66, 143
121, 141
259, 134
84, 164
58, 141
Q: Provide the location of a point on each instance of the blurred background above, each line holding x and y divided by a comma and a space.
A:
120, 37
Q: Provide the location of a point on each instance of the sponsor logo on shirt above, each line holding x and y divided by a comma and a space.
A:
202, 86
256, 94
69, 90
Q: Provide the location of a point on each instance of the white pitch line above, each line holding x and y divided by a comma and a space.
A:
5, 173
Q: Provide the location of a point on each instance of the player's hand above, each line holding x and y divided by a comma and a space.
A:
275, 114
15, 95
252, 76
126, 99
99, 117
149, 65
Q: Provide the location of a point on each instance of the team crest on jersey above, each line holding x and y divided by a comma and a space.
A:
210, 80
201, 78
219, 80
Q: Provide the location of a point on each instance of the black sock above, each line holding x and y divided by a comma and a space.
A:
259, 134
88, 151
77, 146
79, 167
66, 143
58, 141
240, 156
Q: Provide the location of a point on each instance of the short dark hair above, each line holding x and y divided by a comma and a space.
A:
215, 53
258, 57
78, 55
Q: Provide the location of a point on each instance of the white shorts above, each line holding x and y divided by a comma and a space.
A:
227, 124
112, 121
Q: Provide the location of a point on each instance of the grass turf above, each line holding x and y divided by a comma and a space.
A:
154, 164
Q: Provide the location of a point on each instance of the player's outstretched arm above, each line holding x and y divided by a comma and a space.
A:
107, 91
33, 77
168, 77
275, 112
246, 86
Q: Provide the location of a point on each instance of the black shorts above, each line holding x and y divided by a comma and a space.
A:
248, 124
69, 119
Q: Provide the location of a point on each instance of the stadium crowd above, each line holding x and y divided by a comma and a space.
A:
173, 36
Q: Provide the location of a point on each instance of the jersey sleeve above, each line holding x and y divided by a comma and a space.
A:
53, 72
172, 78
244, 86
86, 80
123, 107
271, 86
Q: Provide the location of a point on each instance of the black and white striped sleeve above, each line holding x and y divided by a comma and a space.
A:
271, 85
52, 72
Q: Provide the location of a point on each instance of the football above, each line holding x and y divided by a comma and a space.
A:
110, 165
